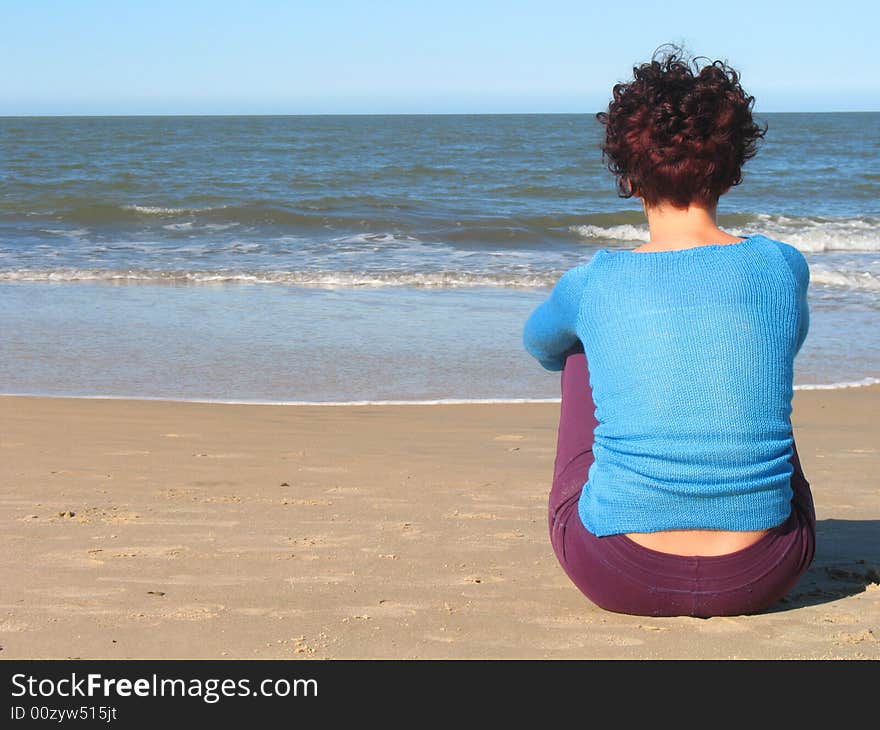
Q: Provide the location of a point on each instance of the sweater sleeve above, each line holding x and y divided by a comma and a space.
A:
805, 318
801, 271
551, 328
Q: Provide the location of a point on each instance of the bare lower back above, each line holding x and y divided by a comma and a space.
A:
697, 542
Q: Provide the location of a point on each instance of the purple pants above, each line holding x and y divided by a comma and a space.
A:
620, 575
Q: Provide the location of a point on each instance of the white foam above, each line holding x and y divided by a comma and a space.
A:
864, 382
861, 280
319, 279
158, 210
837, 386
374, 238
243, 247
819, 275
71, 233
190, 225
625, 232
830, 238
817, 235
439, 401
809, 235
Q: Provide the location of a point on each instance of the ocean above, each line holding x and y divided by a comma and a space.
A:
339, 259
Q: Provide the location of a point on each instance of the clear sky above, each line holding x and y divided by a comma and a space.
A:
395, 56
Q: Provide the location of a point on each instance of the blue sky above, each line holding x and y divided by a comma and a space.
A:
389, 56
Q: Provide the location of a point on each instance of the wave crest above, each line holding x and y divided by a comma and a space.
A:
808, 234
319, 279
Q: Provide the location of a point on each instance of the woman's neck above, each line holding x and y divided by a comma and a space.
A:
672, 227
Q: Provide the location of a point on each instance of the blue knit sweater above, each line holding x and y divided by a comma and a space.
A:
691, 355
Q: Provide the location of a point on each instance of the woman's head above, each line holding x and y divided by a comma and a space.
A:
678, 136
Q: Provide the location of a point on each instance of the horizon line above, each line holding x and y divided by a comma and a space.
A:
387, 114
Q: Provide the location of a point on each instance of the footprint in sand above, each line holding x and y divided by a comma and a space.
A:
110, 515
458, 515
844, 637
135, 578
558, 622
166, 552
383, 608
96, 555
194, 613
441, 639
481, 579
10, 626
616, 640
542, 449
224, 456
65, 559
321, 579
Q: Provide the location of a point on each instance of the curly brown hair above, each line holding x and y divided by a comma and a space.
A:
677, 136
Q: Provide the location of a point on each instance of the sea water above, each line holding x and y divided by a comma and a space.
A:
370, 258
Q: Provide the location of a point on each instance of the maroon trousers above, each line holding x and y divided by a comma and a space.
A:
620, 575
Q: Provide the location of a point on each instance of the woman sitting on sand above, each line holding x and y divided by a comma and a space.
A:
677, 488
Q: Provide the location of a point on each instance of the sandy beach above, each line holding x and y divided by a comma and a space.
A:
159, 529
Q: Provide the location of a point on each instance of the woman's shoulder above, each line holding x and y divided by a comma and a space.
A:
758, 251
796, 261
580, 272
715, 251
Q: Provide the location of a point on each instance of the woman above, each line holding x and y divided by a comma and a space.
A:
677, 488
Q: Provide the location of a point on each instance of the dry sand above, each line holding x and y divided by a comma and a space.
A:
152, 529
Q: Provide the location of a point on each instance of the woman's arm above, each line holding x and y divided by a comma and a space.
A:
804, 316
801, 272
550, 330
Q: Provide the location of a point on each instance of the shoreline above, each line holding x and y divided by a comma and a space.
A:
161, 529
865, 382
